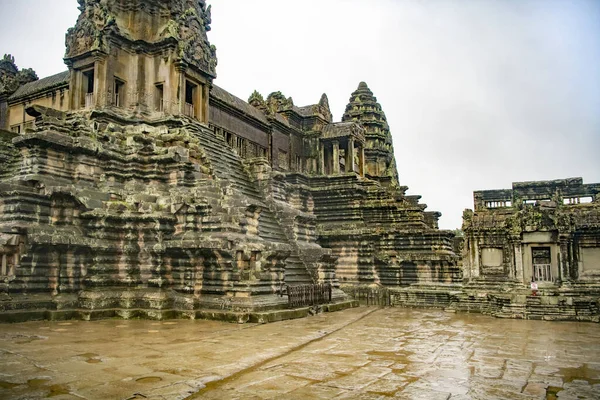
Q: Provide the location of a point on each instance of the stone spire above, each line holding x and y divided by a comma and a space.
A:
324, 107
11, 78
379, 152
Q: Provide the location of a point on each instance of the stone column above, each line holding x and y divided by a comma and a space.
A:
74, 96
564, 264
475, 272
361, 160
97, 86
204, 102
336, 157
181, 89
519, 262
350, 155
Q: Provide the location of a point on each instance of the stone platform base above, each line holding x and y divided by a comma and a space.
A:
551, 304
35, 307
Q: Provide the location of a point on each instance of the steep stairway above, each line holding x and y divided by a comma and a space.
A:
229, 169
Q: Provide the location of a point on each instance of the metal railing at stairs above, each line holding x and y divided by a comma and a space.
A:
307, 295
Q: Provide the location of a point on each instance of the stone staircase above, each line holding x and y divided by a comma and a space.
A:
230, 171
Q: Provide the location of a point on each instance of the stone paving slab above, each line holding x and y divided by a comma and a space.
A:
116, 359
361, 353
416, 354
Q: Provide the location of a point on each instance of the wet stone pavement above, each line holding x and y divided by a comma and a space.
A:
362, 353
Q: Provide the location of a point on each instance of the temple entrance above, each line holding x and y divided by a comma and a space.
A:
541, 264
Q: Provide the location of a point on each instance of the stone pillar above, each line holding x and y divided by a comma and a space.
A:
564, 264
181, 89
475, 272
336, 157
96, 93
361, 160
204, 103
101, 82
519, 263
350, 155
74, 89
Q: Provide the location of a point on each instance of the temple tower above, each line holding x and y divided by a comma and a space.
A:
379, 151
149, 57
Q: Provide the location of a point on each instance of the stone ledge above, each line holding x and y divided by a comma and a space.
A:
36, 314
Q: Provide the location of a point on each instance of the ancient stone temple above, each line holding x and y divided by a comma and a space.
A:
131, 185
547, 232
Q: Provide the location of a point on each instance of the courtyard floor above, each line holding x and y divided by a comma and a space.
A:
363, 353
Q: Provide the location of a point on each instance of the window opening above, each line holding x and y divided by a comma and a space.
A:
88, 89
159, 98
119, 93
541, 264
190, 95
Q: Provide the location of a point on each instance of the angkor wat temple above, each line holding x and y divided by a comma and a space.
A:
132, 186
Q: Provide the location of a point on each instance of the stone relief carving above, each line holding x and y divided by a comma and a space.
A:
90, 31
188, 22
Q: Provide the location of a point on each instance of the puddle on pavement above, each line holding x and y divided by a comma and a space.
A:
38, 382
552, 392
149, 379
22, 339
583, 373
90, 358
58, 390
8, 385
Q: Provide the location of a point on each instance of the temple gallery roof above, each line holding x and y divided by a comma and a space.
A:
344, 129
235, 102
41, 85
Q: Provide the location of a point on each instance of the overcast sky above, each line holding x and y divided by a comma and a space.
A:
478, 94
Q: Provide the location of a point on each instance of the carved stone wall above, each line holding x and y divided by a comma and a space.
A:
560, 217
109, 211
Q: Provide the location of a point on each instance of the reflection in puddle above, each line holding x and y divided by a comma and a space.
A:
583, 373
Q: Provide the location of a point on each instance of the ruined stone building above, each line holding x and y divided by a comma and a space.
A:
132, 185
546, 231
